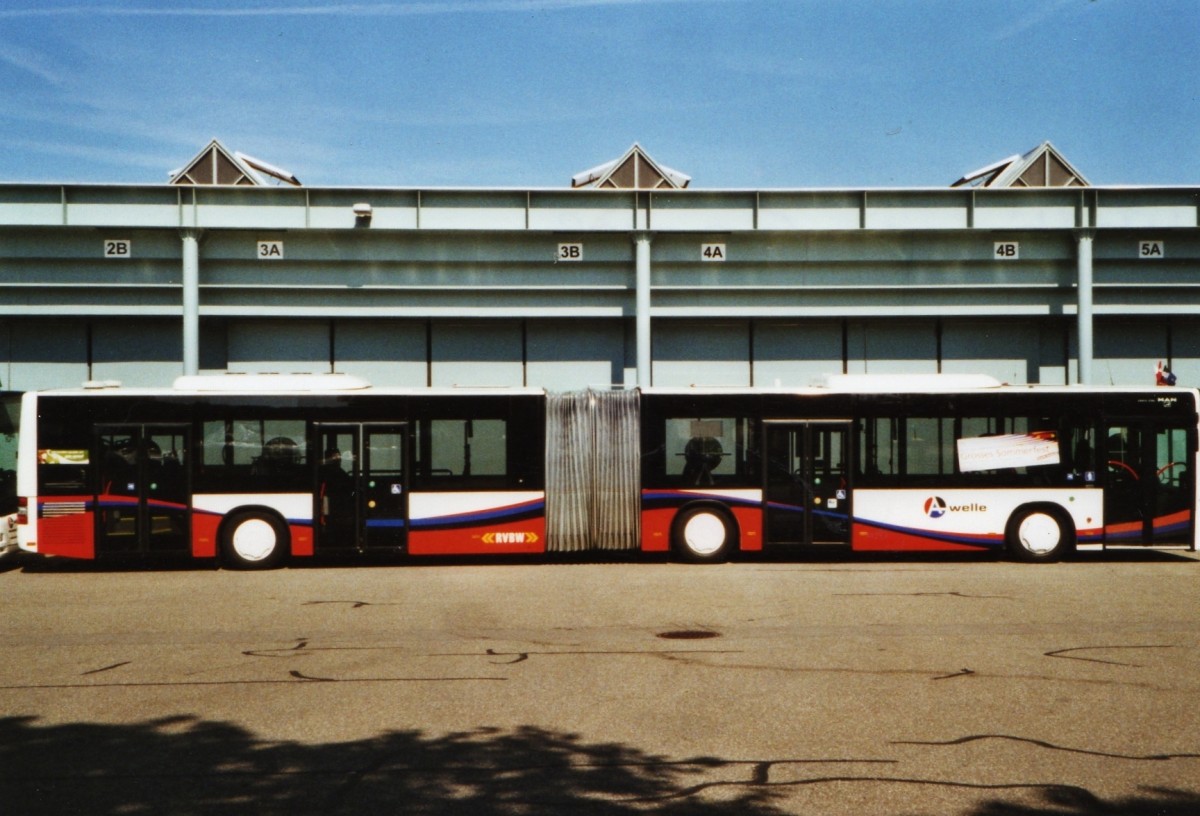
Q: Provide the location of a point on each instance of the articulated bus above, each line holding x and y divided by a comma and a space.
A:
252, 471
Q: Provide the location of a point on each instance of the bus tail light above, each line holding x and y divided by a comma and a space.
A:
22, 510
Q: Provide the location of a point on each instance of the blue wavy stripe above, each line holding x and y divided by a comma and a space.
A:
517, 512
657, 499
983, 542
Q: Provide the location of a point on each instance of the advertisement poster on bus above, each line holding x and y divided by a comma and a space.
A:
1007, 451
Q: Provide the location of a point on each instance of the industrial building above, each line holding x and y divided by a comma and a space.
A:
627, 275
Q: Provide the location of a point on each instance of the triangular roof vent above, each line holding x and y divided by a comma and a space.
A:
217, 165
635, 170
1041, 167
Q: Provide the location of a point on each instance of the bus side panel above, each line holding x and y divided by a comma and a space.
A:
302, 538
66, 527
947, 520
204, 533
500, 522
875, 538
659, 508
656, 526
1132, 532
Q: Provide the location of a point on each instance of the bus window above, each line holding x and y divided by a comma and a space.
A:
463, 454
879, 447
705, 451
255, 454
1173, 491
10, 418
928, 446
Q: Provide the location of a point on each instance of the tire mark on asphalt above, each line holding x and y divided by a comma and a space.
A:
1082, 793
959, 673
932, 674
295, 678
353, 604
107, 668
1048, 745
520, 656
1063, 654
922, 595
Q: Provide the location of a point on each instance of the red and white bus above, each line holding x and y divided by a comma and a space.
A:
254, 470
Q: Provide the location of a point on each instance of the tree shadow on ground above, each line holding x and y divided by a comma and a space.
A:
184, 765
1077, 802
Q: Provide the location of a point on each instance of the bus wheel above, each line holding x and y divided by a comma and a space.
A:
1039, 534
703, 534
253, 540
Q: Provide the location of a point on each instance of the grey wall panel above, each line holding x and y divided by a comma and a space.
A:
1053, 353
482, 353
46, 354
1127, 351
137, 354
796, 354
284, 346
383, 352
690, 352
1007, 350
563, 355
886, 347
1185, 351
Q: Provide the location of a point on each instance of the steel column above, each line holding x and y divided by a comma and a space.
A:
191, 302
641, 241
1083, 240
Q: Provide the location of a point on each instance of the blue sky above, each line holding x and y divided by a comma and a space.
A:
526, 93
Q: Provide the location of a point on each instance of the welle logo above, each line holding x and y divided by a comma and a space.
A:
936, 507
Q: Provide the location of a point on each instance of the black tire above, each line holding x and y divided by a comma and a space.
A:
1040, 534
254, 540
703, 535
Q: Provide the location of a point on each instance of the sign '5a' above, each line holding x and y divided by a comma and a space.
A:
1151, 250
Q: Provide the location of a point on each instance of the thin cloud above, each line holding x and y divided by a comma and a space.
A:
31, 62
115, 156
1033, 19
346, 9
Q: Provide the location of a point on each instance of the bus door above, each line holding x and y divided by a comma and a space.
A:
143, 498
1149, 494
361, 496
807, 490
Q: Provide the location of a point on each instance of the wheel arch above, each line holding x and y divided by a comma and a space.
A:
238, 515
718, 508
1066, 524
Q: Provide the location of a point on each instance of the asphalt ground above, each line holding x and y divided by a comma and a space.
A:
864, 686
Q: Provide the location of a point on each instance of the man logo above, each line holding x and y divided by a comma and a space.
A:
935, 507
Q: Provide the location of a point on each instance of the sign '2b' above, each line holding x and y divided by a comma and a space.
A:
118, 248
